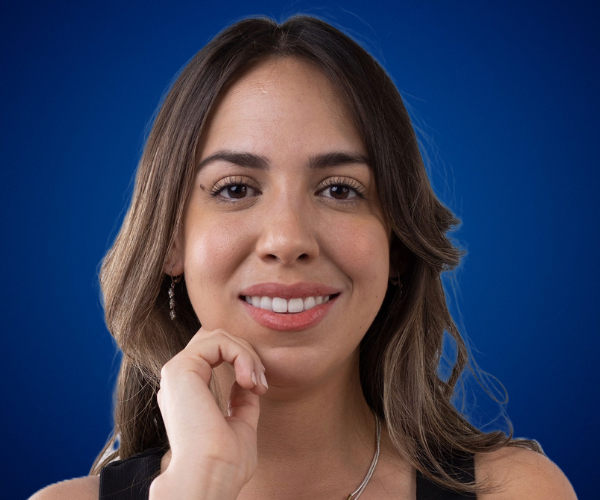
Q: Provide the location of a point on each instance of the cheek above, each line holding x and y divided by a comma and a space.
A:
214, 246
211, 256
361, 248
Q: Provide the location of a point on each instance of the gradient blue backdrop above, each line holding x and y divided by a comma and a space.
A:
507, 100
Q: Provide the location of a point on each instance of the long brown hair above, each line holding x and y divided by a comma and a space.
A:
400, 353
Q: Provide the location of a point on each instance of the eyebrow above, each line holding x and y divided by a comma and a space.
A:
315, 162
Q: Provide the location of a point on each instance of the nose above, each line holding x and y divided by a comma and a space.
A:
287, 233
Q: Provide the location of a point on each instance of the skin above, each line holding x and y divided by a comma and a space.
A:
289, 228
310, 434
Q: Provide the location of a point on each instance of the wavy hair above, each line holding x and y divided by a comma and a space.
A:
400, 353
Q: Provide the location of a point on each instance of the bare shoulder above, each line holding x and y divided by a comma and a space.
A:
522, 473
82, 488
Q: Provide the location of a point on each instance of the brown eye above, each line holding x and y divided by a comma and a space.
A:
236, 191
339, 192
232, 190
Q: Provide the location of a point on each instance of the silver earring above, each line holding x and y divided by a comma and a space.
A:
172, 294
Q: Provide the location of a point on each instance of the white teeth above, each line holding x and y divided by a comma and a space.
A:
295, 305
309, 303
266, 303
279, 305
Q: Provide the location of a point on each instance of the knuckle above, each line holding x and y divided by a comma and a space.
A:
243, 356
218, 333
233, 346
252, 351
175, 365
164, 371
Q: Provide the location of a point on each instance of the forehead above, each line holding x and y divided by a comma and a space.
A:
280, 77
280, 103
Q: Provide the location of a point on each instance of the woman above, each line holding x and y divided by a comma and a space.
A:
275, 290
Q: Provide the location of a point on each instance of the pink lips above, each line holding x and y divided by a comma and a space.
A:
289, 321
299, 290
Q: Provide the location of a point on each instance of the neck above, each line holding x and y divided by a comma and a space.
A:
311, 440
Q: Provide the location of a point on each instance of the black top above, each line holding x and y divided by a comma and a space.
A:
130, 479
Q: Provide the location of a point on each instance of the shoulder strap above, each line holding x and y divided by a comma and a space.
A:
130, 479
460, 466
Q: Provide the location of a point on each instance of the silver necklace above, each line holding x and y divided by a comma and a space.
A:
363, 485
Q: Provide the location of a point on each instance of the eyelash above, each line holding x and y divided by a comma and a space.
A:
333, 181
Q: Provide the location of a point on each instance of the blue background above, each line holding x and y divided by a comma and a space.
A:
506, 96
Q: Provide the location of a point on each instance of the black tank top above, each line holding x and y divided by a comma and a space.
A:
130, 479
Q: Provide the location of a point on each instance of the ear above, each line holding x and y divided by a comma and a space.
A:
399, 257
174, 262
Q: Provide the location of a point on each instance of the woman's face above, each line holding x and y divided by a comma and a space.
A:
284, 196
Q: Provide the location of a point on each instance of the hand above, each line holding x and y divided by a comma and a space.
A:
205, 445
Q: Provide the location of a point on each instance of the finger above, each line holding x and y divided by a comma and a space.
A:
244, 406
207, 343
245, 343
259, 367
202, 354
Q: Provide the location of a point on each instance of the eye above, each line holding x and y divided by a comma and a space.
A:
342, 190
231, 189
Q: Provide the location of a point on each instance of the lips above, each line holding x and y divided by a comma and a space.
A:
298, 290
290, 322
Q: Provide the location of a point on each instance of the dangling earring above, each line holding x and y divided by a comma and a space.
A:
396, 282
172, 294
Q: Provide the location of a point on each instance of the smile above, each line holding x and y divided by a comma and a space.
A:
290, 306
266, 314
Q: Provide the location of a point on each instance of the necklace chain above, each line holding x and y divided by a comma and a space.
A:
363, 485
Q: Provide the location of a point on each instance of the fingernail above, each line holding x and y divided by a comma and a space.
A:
254, 378
263, 379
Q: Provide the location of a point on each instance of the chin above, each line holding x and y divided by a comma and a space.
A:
298, 367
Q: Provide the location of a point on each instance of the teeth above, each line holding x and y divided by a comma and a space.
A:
295, 305
266, 303
279, 305
309, 303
